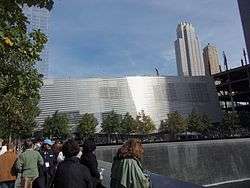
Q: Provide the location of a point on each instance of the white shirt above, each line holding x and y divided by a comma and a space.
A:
60, 157
3, 150
79, 154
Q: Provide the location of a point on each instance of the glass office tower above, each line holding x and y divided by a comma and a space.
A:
39, 19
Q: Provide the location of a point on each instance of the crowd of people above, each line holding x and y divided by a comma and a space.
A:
50, 164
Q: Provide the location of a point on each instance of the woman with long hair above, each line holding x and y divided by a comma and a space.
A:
127, 171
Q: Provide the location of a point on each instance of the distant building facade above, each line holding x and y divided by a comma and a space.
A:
211, 60
188, 51
39, 19
157, 96
244, 7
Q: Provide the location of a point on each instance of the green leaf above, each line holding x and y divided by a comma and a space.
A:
19, 80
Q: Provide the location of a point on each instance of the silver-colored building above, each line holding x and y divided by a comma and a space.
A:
188, 51
39, 19
157, 96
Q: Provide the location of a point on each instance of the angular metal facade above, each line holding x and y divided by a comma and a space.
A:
157, 96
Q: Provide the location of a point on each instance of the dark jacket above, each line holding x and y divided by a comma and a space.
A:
71, 174
50, 162
47, 171
89, 160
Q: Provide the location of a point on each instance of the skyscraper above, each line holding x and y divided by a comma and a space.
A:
188, 52
211, 60
244, 7
39, 19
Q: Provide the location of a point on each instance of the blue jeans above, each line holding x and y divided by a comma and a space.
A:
9, 184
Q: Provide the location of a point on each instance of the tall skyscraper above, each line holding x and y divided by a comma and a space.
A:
211, 60
188, 52
244, 6
39, 19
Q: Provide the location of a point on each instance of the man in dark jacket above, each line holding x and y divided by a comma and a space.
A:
88, 158
47, 172
70, 173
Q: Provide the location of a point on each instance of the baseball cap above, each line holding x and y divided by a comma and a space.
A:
48, 141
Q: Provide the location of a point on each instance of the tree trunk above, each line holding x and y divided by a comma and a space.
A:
18, 145
116, 138
10, 138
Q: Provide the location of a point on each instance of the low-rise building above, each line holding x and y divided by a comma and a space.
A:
156, 96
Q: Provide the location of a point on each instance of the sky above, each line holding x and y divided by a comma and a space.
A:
91, 38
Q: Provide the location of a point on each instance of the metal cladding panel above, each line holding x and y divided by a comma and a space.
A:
157, 96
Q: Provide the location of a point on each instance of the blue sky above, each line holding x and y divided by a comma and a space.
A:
90, 38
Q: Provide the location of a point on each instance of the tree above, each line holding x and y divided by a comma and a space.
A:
245, 119
19, 80
198, 122
3, 134
206, 124
194, 122
111, 123
174, 124
230, 122
87, 125
56, 126
144, 123
128, 124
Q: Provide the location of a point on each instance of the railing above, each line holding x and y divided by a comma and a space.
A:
113, 139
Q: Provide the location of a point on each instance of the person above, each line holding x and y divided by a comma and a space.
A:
7, 173
71, 173
88, 159
127, 171
1, 145
38, 145
47, 172
60, 157
57, 150
27, 164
